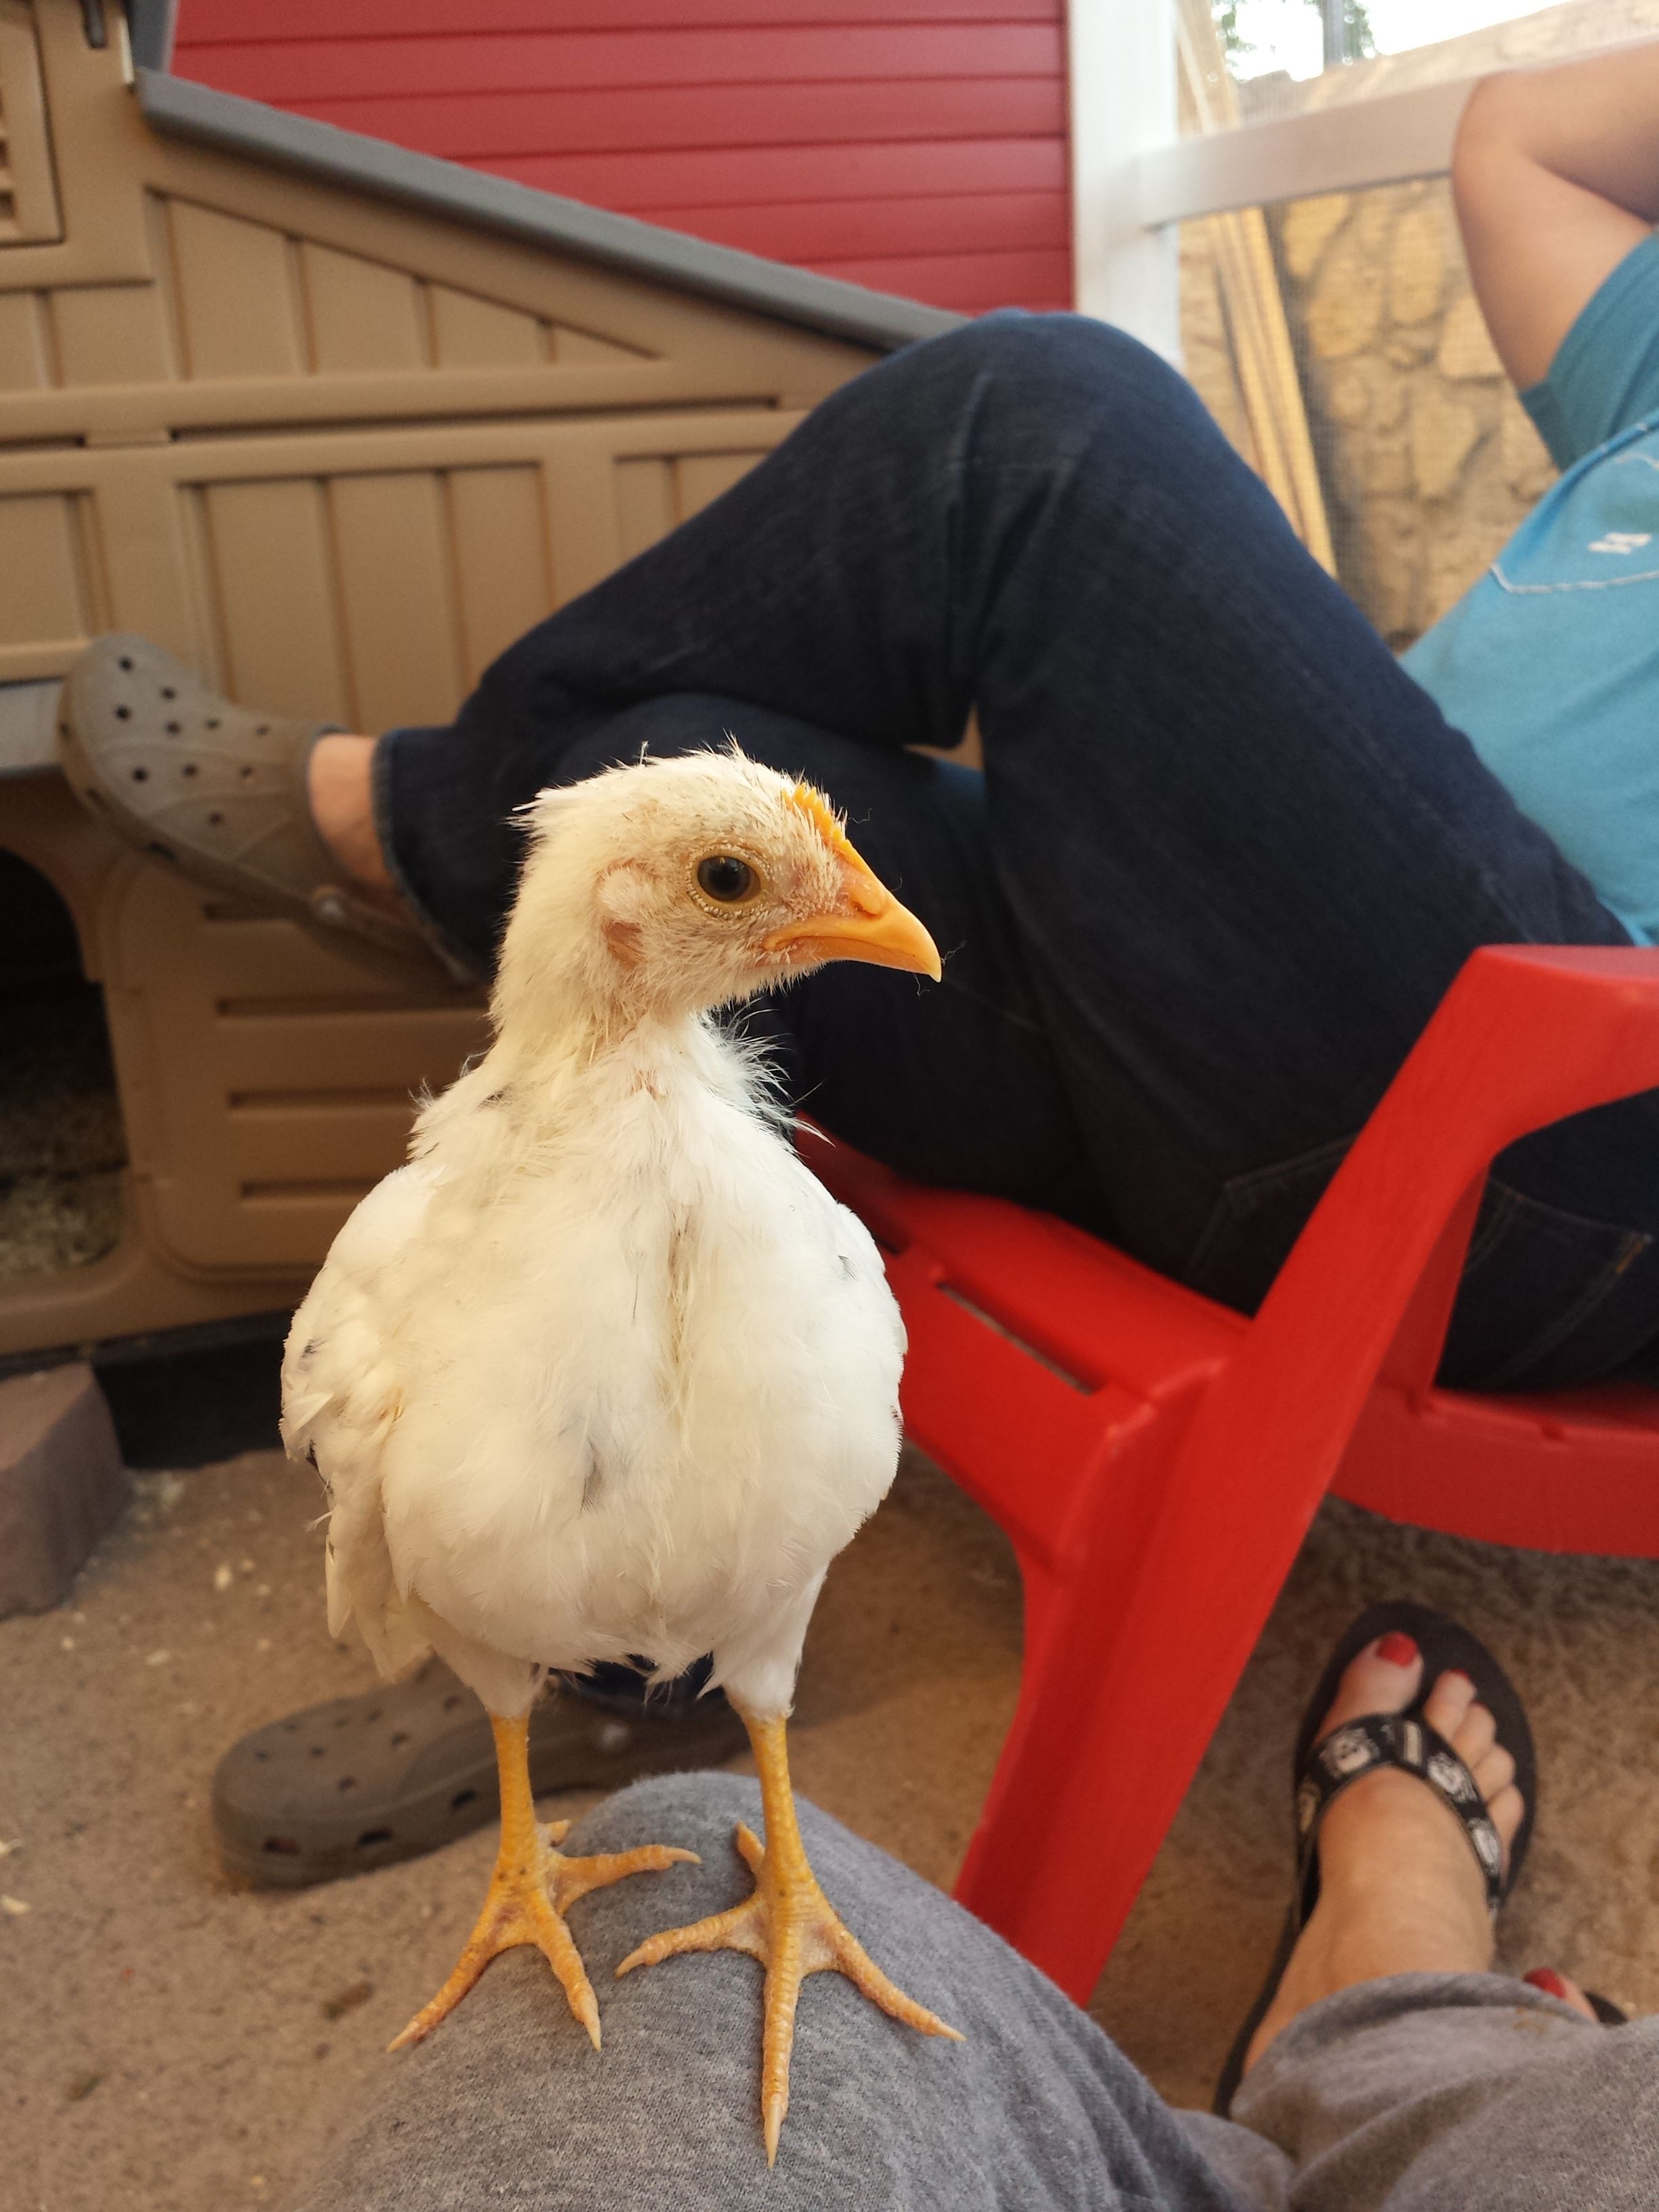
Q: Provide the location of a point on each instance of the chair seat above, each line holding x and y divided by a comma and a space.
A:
1020, 1324
1561, 1471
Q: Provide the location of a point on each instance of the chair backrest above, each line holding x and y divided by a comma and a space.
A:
1525, 1037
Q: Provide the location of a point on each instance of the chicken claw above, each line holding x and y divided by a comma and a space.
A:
791, 1927
531, 1888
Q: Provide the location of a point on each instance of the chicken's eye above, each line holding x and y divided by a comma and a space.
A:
724, 877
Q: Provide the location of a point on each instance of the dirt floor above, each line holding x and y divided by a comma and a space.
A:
171, 2044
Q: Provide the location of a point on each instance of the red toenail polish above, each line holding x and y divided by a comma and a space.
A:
1398, 1650
1546, 1978
1457, 1674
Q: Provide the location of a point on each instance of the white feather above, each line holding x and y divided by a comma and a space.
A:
605, 1370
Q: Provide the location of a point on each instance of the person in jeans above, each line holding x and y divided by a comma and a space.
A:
1226, 853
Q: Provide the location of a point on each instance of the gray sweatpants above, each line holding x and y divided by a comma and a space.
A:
1425, 2093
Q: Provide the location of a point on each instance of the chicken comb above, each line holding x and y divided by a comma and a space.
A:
822, 816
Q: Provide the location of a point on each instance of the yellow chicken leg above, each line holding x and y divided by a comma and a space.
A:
530, 1890
789, 1925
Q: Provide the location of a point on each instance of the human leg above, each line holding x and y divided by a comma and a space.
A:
339, 787
972, 1054
1237, 853
507, 2105
1416, 2090
1421, 2091
1232, 851
1393, 2067
1398, 1889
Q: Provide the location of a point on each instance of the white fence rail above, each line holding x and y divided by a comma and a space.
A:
1134, 176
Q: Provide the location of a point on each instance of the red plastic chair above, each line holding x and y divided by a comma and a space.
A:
1156, 1459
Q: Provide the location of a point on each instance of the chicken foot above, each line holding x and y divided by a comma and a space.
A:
789, 1925
532, 1887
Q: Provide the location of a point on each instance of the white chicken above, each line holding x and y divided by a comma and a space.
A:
605, 1370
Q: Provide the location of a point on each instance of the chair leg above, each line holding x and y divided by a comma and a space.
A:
1118, 1703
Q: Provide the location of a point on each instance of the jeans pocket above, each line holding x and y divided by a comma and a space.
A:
1253, 1223
1549, 1299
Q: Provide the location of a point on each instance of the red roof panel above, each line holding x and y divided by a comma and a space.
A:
916, 145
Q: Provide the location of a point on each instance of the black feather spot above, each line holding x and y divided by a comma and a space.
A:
311, 1455
593, 1483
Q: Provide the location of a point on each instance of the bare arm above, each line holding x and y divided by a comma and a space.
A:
1556, 177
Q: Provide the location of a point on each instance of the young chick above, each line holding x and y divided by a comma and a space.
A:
605, 1370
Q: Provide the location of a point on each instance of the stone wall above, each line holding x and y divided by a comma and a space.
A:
1429, 460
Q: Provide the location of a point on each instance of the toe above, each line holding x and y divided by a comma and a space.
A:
1554, 1984
1493, 1770
1447, 1705
1453, 1708
1383, 1678
1475, 1734
1505, 1809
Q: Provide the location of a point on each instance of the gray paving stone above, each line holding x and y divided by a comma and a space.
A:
62, 1483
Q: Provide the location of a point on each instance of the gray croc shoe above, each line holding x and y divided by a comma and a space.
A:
361, 1782
216, 789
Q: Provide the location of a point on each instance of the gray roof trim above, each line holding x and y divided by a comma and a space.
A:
28, 727
185, 109
150, 26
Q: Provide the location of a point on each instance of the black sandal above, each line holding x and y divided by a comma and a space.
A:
1326, 1766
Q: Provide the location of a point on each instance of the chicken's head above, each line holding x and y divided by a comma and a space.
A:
682, 884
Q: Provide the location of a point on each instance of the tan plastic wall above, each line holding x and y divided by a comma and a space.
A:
336, 455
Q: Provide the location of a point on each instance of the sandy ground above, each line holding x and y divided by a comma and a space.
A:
175, 2045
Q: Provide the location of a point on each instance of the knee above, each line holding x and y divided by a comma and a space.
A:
696, 1811
699, 1812
1052, 350
1025, 376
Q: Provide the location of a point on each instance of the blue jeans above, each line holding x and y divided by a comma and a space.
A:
1223, 861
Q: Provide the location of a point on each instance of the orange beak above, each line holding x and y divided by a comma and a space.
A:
869, 925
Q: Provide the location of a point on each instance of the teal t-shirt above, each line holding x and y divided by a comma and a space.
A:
1550, 663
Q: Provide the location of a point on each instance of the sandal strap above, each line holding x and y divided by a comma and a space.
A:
1405, 1740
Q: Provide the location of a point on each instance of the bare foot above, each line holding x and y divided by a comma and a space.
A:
342, 806
1400, 1889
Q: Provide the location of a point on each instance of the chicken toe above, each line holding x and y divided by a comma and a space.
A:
530, 1890
791, 1927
